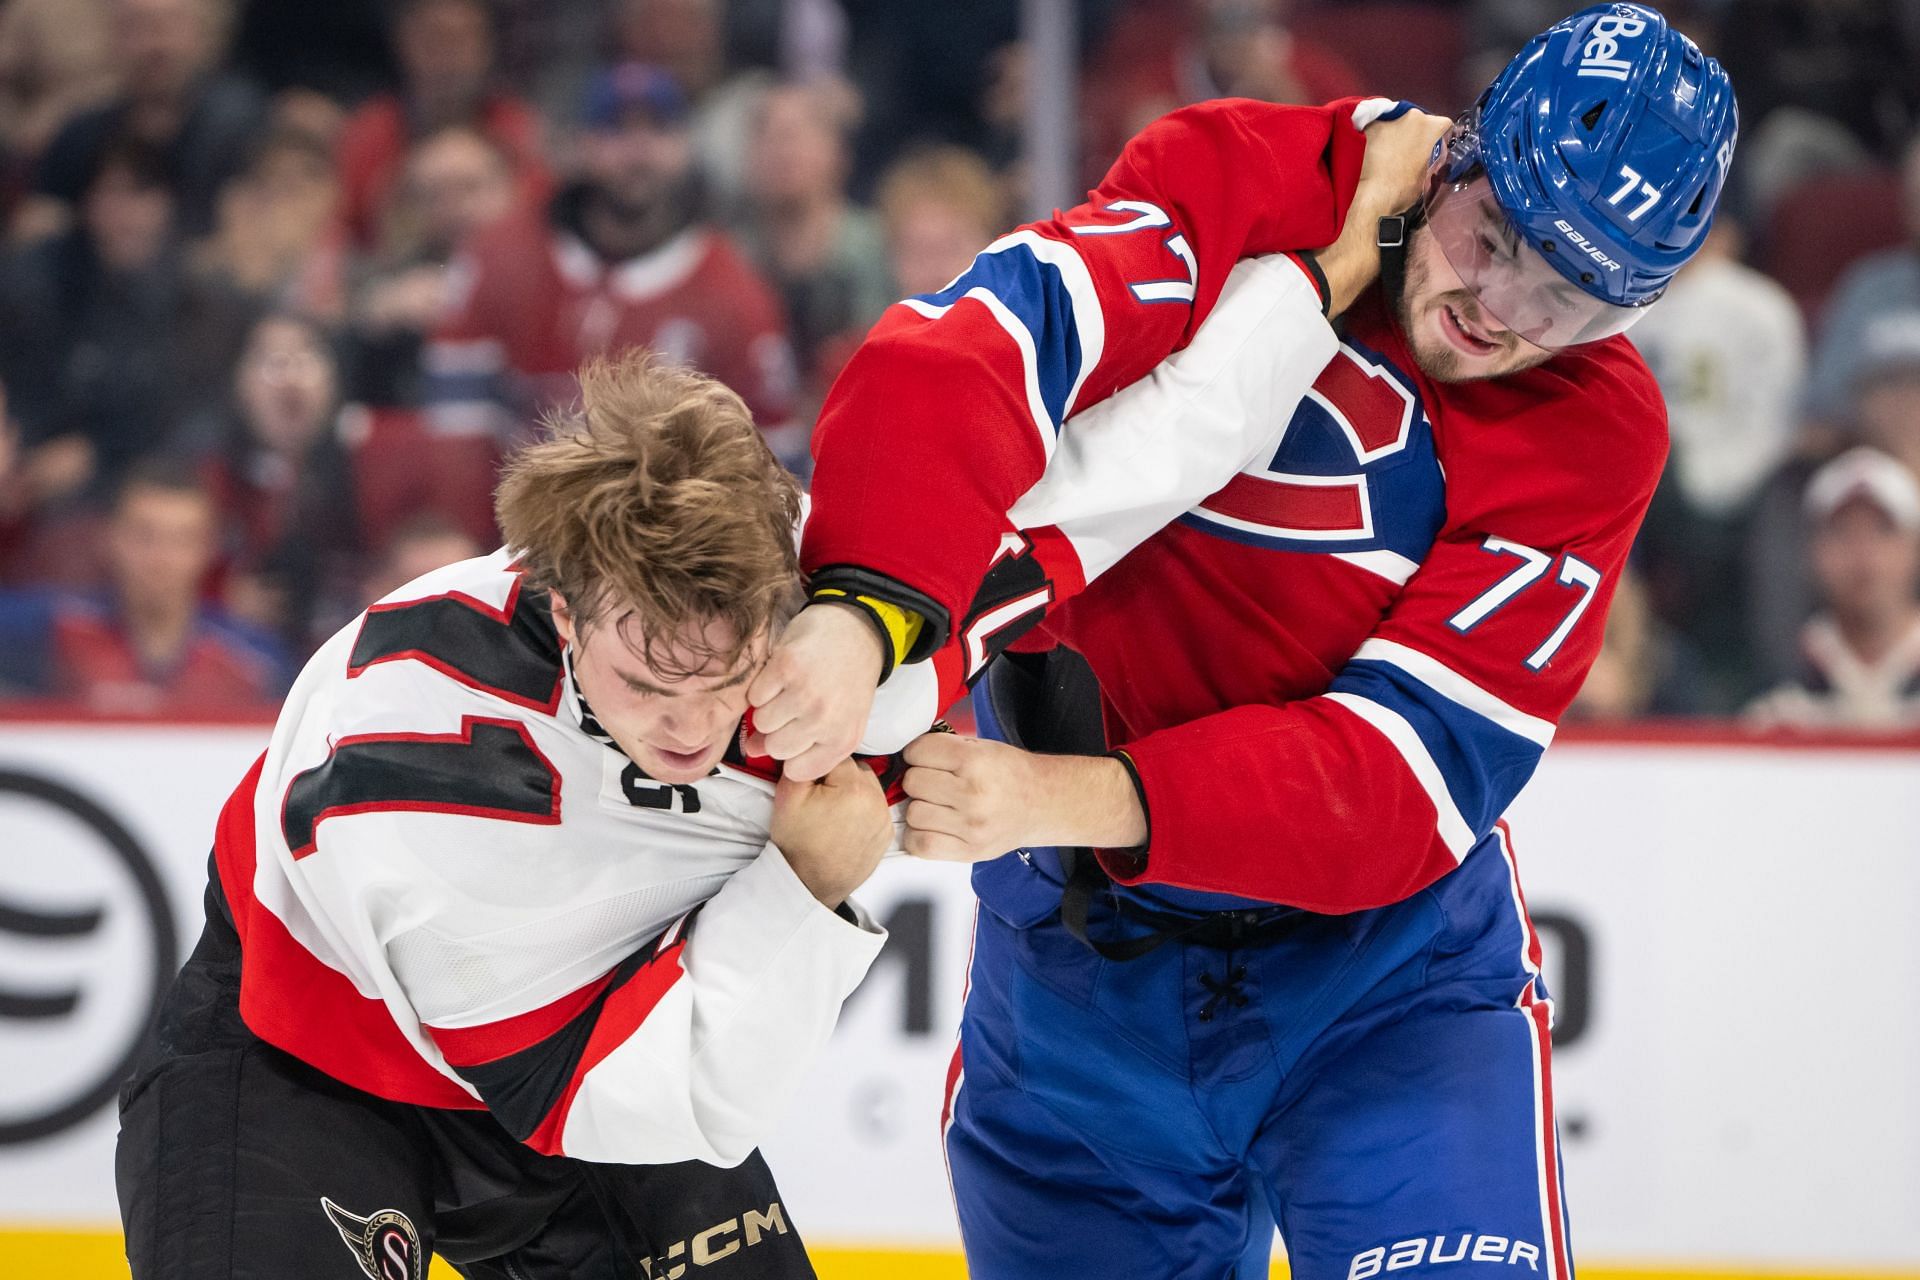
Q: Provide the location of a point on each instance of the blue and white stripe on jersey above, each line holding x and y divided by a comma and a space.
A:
1041, 293
1470, 751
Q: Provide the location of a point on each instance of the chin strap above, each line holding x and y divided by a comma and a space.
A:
1393, 236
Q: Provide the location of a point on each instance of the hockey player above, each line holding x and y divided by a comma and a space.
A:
1262, 957
501, 959
507, 853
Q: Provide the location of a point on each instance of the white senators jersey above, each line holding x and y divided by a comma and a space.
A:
451, 892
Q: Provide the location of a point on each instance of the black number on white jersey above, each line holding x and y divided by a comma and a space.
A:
512, 653
644, 793
490, 769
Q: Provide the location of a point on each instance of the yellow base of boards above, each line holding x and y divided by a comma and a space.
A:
97, 1255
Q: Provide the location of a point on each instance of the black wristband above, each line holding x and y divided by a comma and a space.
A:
935, 623
1311, 262
1138, 852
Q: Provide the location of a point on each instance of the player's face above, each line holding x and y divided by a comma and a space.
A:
675, 725
1453, 337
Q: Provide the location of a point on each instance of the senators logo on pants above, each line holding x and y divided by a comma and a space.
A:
386, 1243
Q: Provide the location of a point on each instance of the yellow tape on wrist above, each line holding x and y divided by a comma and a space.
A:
902, 625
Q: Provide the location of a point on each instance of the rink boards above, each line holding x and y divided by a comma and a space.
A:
1730, 933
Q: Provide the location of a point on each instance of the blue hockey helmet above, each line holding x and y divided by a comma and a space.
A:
1604, 144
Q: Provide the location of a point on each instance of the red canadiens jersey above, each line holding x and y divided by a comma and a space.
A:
452, 890
218, 669
532, 302
1371, 630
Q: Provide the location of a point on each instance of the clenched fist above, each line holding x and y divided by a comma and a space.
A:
833, 832
970, 800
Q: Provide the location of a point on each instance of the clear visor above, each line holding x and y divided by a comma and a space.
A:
1511, 279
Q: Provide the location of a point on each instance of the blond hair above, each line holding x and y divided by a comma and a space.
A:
657, 501
945, 175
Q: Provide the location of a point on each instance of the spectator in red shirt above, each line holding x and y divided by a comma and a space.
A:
457, 182
148, 646
622, 259
445, 50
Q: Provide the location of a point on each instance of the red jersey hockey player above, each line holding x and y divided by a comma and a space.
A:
1320, 687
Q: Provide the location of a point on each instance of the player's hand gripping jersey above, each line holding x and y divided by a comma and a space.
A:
1398, 601
954, 405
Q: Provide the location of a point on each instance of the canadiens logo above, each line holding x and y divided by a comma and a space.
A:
385, 1244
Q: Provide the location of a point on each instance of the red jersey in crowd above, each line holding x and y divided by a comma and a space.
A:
219, 668
373, 152
532, 301
1154, 60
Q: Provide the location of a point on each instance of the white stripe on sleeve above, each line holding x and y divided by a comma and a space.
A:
1453, 686
1453, 829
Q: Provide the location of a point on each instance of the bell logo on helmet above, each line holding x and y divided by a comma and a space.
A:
1600, 56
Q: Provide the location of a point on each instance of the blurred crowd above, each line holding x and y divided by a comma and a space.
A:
281, 282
